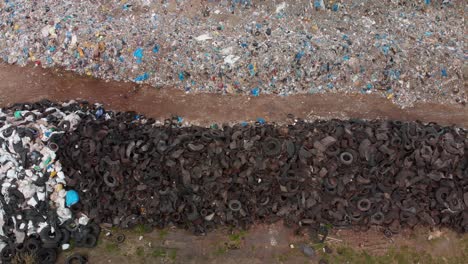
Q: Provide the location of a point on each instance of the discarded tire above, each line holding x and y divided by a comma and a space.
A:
76, 259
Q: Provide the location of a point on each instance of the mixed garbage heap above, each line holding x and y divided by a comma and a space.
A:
406, 51
67, 168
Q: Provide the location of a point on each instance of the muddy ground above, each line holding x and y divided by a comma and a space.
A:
260, 244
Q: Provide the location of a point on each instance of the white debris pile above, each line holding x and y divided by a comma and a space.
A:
34, 194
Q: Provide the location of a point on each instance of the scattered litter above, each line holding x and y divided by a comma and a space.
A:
203, 37
255, 91
142, 77
71, 198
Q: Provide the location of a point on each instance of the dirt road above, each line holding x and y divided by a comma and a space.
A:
30, 84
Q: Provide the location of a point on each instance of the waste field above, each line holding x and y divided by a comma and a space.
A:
405, 51
67, 168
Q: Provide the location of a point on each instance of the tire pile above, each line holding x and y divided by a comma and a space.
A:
129, 170
344, 173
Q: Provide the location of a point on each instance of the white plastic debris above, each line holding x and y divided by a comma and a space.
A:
203, 37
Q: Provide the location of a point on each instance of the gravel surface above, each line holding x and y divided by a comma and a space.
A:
405, 51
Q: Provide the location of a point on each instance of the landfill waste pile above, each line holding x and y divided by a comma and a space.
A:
65, 168
35, 218
406, 51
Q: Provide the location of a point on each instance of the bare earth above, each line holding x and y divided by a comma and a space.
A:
21, 84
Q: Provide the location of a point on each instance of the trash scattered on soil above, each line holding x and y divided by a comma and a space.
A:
405, 51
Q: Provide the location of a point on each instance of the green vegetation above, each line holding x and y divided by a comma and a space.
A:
164, 252
173, 254
235, 237
235, 240
140, 251
159, 253
221, 250
111, 247
24, 258
142, 229
163, 234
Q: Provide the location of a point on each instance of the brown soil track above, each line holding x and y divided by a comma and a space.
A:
28, 84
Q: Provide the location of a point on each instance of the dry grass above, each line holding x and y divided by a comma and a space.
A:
24, 258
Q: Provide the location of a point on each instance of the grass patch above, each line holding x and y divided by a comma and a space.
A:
24, 258
140, 251
235, 240
464, 245
164, 253
111, 247
221, 250
236, 237
173, 254
72, 245
159, 253
318, 246
163, 233
142, 229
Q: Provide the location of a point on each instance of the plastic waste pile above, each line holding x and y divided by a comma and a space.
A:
406, 51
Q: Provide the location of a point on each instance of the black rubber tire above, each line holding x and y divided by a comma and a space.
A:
65, 236
20, 247
346, 158
32, 245
47, 256
89, 241
272, 147
364, 205
7, 254
235, 205
120, 238
110, 180
46, 238
76, 259
94, 229
70, 226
